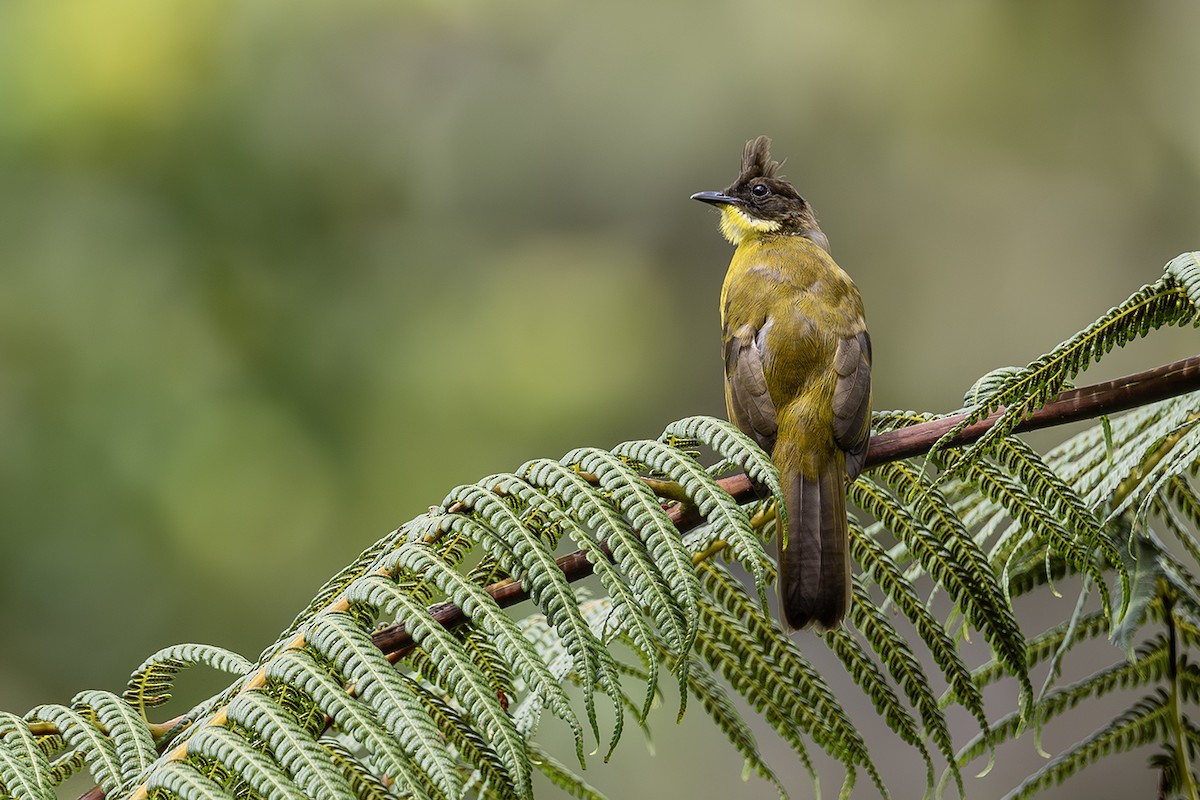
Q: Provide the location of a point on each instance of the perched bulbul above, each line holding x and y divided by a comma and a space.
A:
797, 376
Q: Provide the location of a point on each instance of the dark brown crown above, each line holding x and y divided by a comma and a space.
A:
756, 160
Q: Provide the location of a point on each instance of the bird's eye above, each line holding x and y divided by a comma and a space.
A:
760, 190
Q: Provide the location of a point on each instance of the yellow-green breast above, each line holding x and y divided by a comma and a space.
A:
807, 304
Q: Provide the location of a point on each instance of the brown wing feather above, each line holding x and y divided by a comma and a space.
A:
852, 399
747, 398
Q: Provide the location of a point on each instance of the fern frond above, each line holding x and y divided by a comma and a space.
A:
24, 768
1179, 495
349, 650
558, 661
1180, 584
988, 384
1020, 392
1045, 645
457, 672
1142, 724
712, 695
1148, 667
325, 713
483, 653
1172, 524
185, 781
521, 552
151, 683
1135, 436
79, 730
871, 680
1184, 269
70, 763
625, 597
1187, 625
1076, 533
1036, 569
932, 533
484, 612
238, 765
1148, 571
299, 669
1183, 496
770, 671
638, 504
1169, 459
726, 440
894, 420
469, 744
364, 784
414, 529
604, 620
895, 654
561, 776
128, 730
647, 591
888, 576
728, 520
296, 750
1188, 677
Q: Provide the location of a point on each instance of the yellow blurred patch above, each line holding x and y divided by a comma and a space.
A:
80, 62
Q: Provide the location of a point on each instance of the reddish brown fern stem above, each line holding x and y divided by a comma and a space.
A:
1110, 397
1122, 394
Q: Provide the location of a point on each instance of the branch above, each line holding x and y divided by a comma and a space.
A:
1122, 394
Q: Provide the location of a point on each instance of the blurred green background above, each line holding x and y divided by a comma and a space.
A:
274, 276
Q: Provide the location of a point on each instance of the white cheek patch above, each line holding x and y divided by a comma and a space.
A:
737, 225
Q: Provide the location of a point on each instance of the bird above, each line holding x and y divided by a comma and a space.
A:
797, 377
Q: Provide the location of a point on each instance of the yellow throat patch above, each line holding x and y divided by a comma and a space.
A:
737, 225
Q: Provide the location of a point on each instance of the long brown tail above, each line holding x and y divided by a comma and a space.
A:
814, 568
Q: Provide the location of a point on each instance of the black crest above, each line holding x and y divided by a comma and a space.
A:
756, 160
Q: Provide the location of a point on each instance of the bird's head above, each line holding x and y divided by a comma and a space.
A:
760, 202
